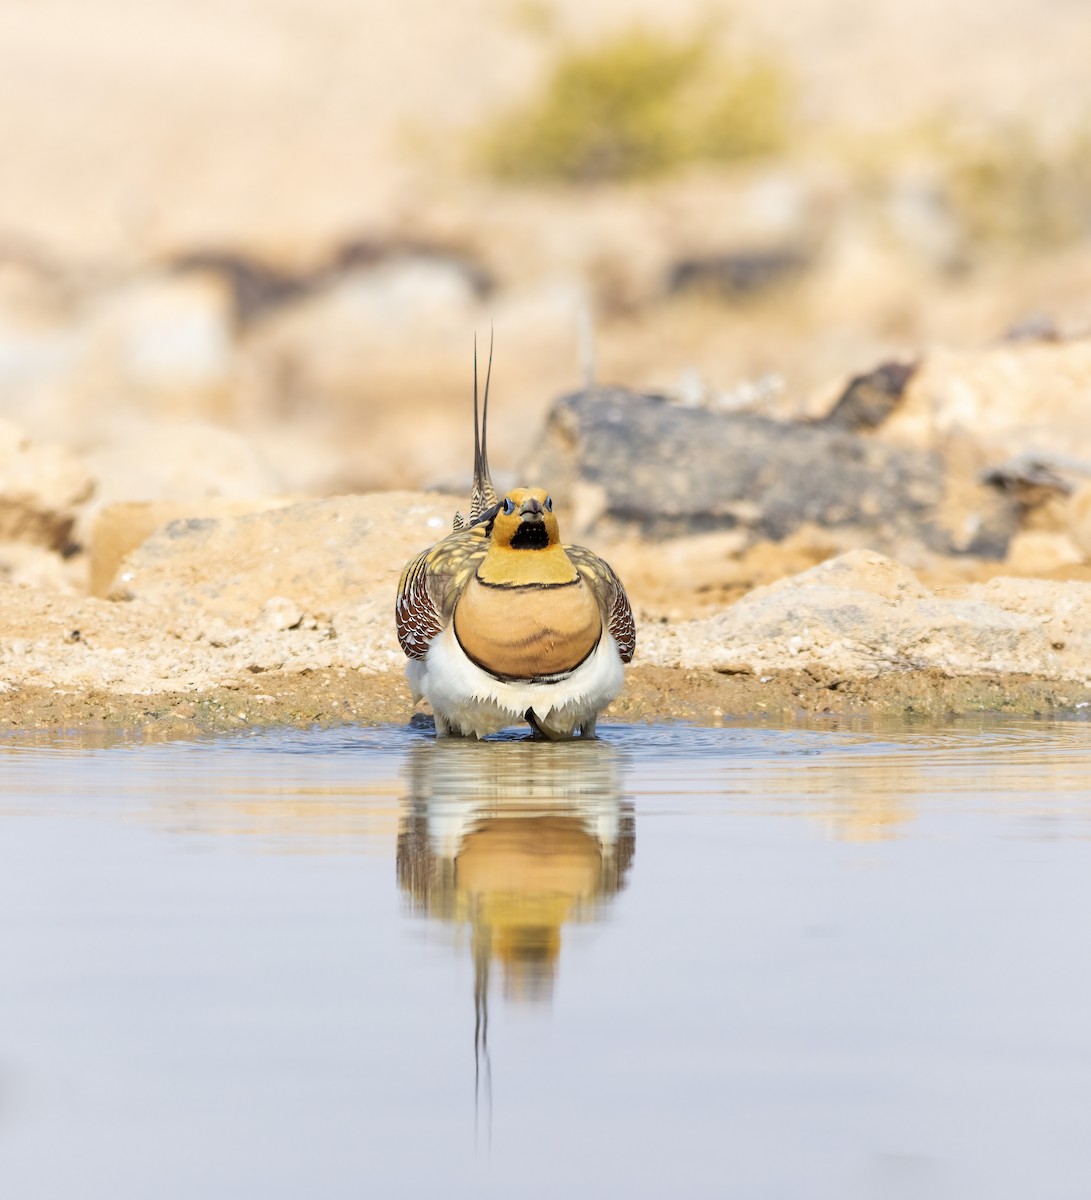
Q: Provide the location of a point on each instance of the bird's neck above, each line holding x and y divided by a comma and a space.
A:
504, 567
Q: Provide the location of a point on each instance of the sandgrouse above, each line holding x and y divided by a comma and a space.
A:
502, 623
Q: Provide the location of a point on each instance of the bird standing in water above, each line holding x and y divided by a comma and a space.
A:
503, 623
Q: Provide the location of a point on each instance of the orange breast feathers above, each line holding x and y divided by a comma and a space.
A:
528, 631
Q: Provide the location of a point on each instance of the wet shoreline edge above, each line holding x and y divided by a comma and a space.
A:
336, 696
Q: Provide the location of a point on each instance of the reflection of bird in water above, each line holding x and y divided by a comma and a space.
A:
515, 843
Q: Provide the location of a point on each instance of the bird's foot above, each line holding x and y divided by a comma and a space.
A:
541, 729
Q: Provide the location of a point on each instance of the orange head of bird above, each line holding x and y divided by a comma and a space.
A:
524, 520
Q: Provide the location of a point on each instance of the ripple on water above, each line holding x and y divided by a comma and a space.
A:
982, 737
666, 768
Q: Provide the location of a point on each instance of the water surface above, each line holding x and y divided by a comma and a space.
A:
819, 962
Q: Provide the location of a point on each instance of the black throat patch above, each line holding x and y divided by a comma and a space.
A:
531, 535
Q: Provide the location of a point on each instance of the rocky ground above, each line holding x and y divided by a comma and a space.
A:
891, 556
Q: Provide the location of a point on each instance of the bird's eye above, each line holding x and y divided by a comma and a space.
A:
549, 504
509, 505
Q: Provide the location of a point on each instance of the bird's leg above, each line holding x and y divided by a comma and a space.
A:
446, 729
541, 729
587, 729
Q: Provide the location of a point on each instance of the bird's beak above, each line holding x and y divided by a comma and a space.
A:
531, 510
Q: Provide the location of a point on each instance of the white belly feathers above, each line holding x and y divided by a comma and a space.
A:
470, 701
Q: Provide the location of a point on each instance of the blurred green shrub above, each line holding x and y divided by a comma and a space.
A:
636, 105
1008, 185
750, 115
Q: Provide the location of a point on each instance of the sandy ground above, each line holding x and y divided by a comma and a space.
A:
336, 697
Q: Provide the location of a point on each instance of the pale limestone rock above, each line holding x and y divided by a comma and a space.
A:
1079, 520
148, 349
370, 324
166, 335
33, 566
41, 486
1061, 610
119, 528
398, 296
1012, 399
1040, 551
280, 614
862, 614
326, 557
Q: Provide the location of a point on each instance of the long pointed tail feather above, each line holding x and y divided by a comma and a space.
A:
483, 495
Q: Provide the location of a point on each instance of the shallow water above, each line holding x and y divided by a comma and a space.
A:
756, 962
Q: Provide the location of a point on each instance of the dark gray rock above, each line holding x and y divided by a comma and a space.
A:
1037, 327
738, 274
870, 398
259, 288
1039, 485
661, 470
1037, 472
256, 287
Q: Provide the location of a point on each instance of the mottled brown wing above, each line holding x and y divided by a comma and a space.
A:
431, 585
611, 594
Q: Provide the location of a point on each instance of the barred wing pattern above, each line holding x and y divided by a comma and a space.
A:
431, 585
612, 598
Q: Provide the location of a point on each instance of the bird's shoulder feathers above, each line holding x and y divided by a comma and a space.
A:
431, 584
610, 592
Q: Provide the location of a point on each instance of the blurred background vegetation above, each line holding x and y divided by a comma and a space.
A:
638, 103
